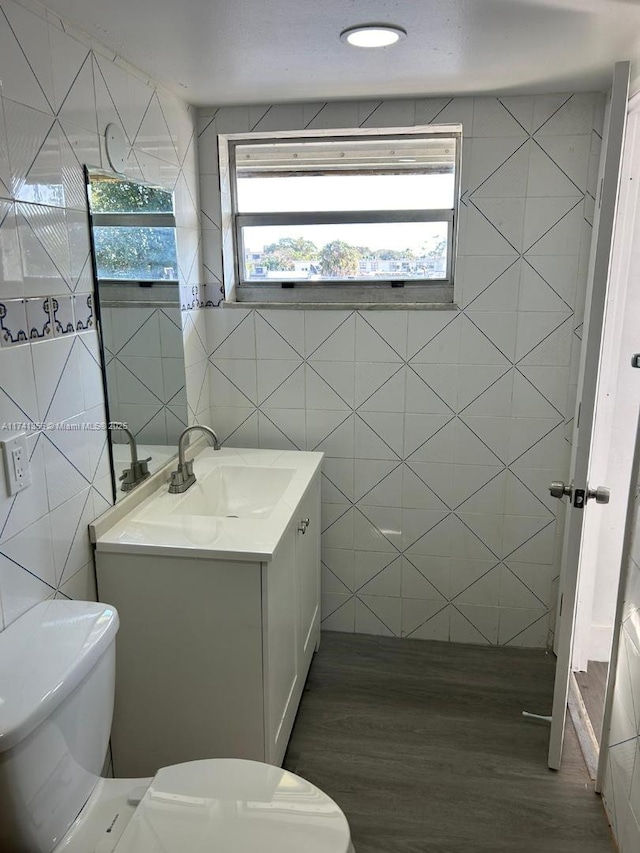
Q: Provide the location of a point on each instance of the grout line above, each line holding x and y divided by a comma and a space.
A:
364, 121
555, 112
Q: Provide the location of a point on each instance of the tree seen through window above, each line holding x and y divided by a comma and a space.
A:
134, 230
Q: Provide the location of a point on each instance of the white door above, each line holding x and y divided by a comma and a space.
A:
616, 416
627, 267
579, 490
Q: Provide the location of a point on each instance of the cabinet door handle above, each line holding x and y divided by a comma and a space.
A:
302, 527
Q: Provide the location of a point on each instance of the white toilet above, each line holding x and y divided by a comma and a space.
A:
57, 678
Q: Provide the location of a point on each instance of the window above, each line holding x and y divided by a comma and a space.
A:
133, 227
366, 216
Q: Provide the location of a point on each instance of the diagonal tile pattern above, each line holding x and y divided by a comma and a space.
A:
401, 500
58, 94
441, 429
145, 369
438, 430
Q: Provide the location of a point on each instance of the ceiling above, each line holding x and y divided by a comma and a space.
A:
216, 52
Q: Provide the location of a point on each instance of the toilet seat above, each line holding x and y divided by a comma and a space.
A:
234, 806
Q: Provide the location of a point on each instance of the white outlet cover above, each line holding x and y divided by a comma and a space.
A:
16, 463
117, 147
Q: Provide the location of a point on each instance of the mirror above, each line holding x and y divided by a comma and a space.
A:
133, 244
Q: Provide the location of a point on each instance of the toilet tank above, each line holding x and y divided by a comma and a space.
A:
57, 681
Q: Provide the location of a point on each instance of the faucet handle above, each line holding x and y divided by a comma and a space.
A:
144, 463
184, 470
136, 473
141, 468
182, 477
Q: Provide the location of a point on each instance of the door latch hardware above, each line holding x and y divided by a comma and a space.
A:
559, 490
601, 494
635, 360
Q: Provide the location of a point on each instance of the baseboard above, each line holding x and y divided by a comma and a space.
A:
582, 724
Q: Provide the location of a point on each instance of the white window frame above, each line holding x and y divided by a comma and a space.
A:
135, 219
429, 292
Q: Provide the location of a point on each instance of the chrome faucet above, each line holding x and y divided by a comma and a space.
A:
183, 477
139, 468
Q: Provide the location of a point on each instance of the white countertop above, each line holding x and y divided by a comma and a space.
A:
157, 525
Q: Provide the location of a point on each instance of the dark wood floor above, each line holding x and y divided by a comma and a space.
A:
593, 684
423, 746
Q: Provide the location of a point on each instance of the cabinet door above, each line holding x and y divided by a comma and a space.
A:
282, 686
308, 569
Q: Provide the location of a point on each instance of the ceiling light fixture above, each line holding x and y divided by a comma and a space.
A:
373, 35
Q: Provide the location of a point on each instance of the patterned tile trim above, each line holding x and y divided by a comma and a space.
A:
83, 310
13, 322
62, 311
39, 318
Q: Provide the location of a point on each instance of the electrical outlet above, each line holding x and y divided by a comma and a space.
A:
16, 463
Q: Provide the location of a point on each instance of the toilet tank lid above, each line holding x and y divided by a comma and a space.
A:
44, 655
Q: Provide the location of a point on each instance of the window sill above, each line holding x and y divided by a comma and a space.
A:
347, 306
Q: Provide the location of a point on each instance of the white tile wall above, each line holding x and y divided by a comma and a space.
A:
441, 429
621, 790
58, 91
145, 371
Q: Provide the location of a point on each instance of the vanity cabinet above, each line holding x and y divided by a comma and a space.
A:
291, 622
212, 653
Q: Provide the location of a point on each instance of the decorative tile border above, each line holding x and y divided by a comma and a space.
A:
201, 296
13, 322
39, 324
84, 312
63, 315
25, 321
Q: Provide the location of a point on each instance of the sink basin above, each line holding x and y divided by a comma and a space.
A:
238, 509
235, 491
